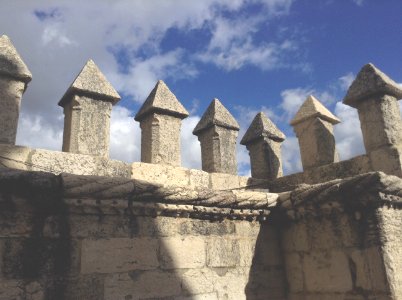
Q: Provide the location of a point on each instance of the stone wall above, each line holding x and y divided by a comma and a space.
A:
51, 248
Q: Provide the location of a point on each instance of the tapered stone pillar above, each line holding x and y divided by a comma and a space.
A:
217, 132
375, 96
87, 108
263, 141
160, 120
313, 125
14, 78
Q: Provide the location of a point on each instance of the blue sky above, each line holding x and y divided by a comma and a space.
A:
253, 55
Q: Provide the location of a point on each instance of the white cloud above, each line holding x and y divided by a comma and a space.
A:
190, 146
291, 156
358, 2
232, 46
55, 40
348, 135
346, 80
125, 135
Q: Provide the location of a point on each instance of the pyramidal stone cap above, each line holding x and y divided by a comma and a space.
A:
162, 100
313, 108
369, 82
91, 81
11, 63
216, 114
262, 127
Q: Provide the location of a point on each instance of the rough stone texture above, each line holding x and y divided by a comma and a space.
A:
391, 220
160, 120
24, 158
216, 115
11, 92
162, 101
217, 132
312, 108
87, 108
14, 77
218, 150
87, 126
68, 254
11, 63
313, 125
375, 96
160, 139
92, 83
336, 255
263, 141
369, 83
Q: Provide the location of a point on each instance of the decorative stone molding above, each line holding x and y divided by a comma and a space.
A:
375, 96
14, 78
313, 125
217, 132
263, 141
160, 120
87, 107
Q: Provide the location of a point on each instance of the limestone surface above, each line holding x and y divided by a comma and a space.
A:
216, 114
11, 63
370, 81
91, 82
263, 141
163, 101
262, 127
313, 108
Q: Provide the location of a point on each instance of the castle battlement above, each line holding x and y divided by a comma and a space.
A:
75, 224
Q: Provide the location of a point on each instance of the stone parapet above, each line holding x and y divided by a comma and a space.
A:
87, 108
14, 78
263, 141
217, 132
160, 120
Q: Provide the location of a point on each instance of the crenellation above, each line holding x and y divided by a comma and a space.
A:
375, 96
217, 132
263, 141
14, 79
77, 225
87, 107
160, 119
313, 125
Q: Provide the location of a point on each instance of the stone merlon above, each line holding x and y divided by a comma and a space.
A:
262, 127
371, 82
313, 108
11, 63
163, 101
216, 114
91, 82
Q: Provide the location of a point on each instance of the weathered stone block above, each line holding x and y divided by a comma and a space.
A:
161, 174
295, 237
221, 181
217, 132
198, 281
263, 141
160, 120
199, 179
142, 285
222, 252
294, 272
182, 253
118, 255
327, 272
246, 251
87, 108
206, 228
247, 229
